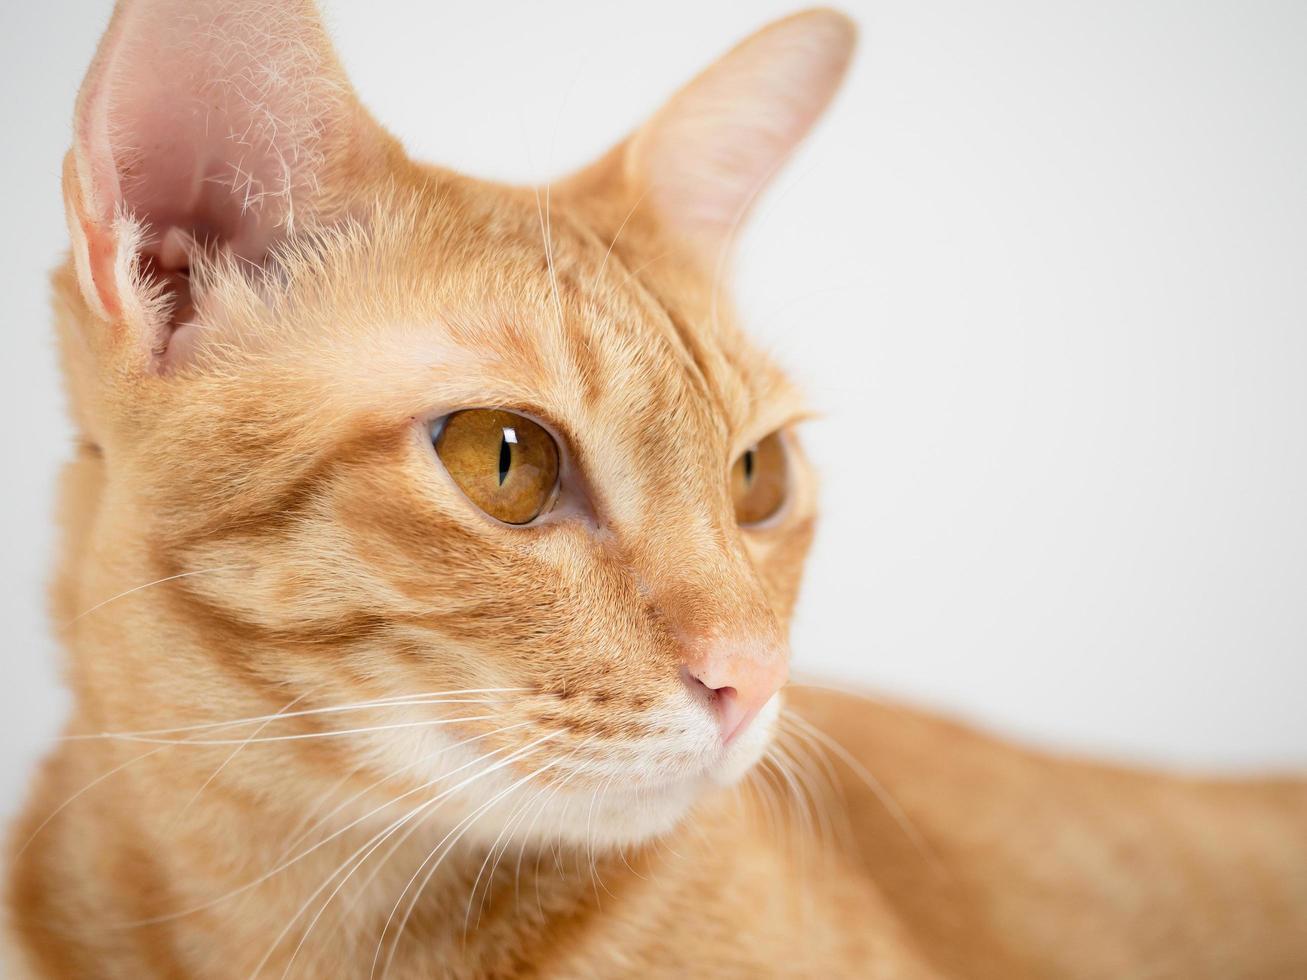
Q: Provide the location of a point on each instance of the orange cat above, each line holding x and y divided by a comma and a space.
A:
429, 555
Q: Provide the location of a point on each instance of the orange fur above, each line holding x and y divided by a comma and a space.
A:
256, 528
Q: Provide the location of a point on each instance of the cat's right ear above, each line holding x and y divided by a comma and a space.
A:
703, 158
214, 124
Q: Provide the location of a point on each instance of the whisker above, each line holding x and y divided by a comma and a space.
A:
523, 811
400, 842
644, 265
540, 851
147, 585
457, 833
509, 826
548, 241
759, 781
402, 700
616, 235
468, 822
412, 765
415, 824
808, 766
801, 766
368, 849
595, 873
431, 722
326, 840
230, 756
85, 789
409, 818
621, 852
814, 749
799, 829
306, 825
890, 804
380, 837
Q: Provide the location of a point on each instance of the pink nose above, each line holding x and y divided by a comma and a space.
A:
737, 681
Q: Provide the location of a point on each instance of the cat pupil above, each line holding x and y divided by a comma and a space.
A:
748, 465
505, 458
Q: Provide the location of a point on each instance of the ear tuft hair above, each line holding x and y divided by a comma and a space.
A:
202, 124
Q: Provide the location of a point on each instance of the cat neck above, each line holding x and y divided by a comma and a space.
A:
273, 893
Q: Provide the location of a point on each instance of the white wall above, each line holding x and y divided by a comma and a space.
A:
1042, 269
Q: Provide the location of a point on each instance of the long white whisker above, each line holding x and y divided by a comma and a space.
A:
509, 826
414, 826
89, 786
415, 818
412, 765
457, 833
230, 756
431, 722
644, 265
595, 872
553, 793
547, 241
434, 697
616, 235
789, 772
303, 854
410, 818
510, 823
158, 581
353, 865
307, 824
523, 812
890, 804
815, 752
444, 794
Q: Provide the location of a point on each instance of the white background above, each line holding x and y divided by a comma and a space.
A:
1042, 269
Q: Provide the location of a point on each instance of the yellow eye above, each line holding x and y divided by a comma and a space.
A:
759, 481
506, 464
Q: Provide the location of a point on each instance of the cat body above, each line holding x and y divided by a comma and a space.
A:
360, 693
1001, 864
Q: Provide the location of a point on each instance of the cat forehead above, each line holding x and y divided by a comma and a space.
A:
462, 298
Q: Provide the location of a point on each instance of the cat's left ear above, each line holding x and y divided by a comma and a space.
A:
220, 124
705, 156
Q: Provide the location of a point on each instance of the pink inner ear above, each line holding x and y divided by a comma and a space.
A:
201, 120
188, 175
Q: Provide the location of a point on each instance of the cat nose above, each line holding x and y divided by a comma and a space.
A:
737, 681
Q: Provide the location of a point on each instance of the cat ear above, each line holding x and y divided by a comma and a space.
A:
705, 156
214, 124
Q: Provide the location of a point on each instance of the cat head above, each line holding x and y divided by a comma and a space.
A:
493, 465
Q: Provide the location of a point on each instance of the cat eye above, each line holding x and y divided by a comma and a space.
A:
759, 480
505, 463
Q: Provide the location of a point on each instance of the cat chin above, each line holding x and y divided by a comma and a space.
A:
614, 819
617, 817
495, 809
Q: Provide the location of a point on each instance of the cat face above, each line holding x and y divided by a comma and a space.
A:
495, 466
